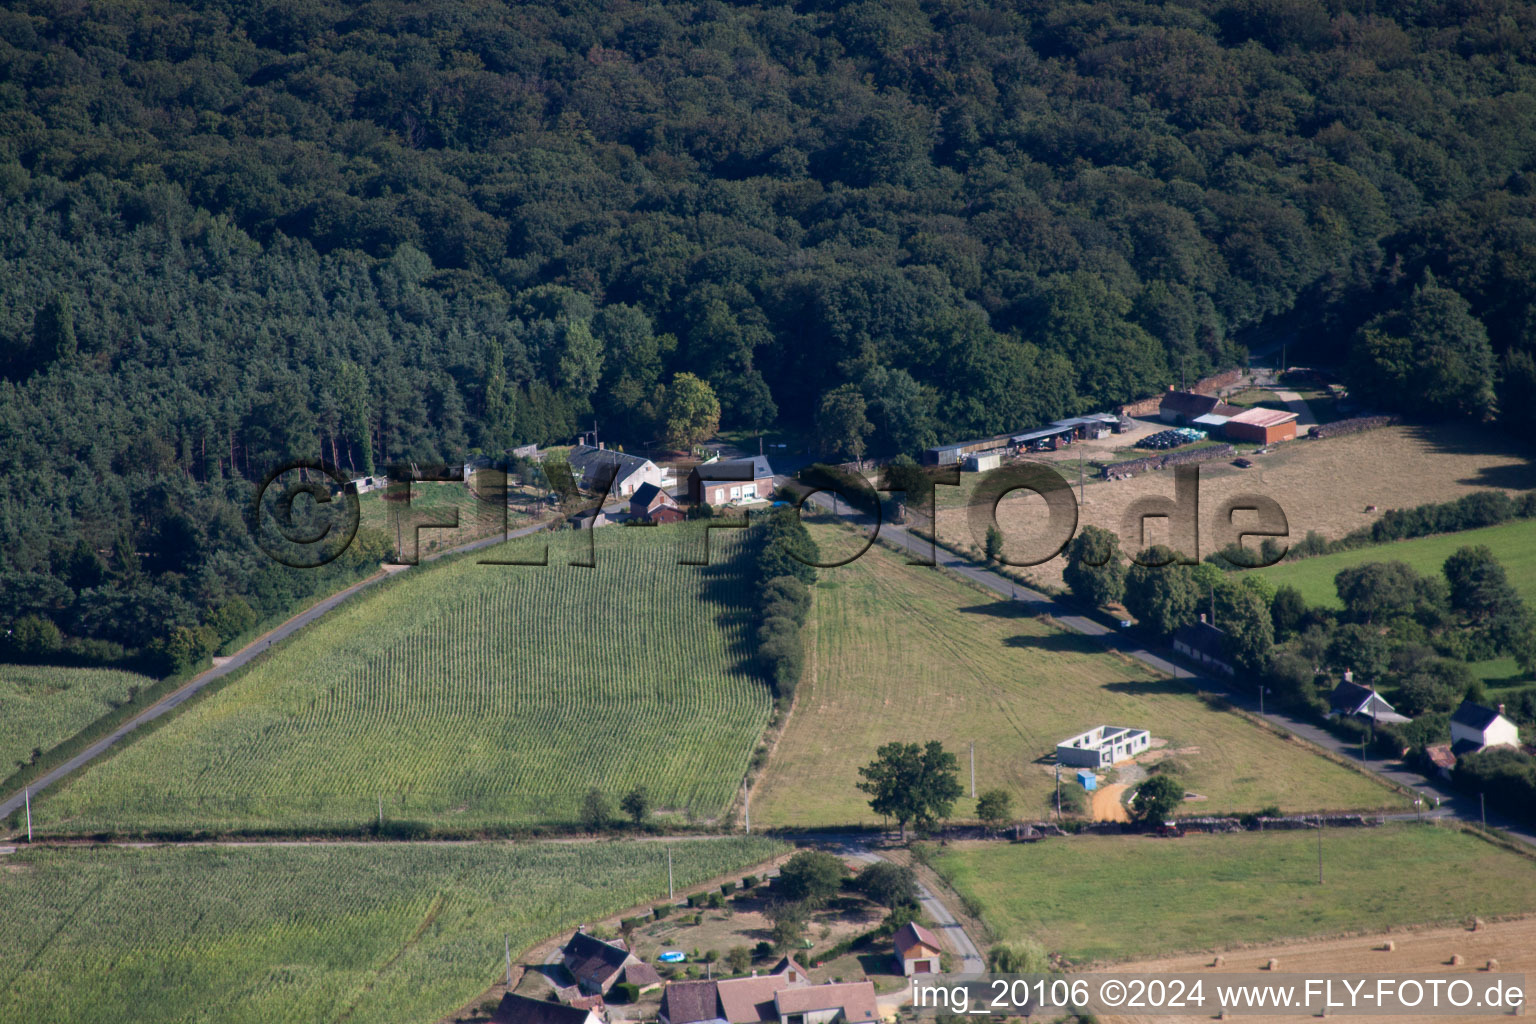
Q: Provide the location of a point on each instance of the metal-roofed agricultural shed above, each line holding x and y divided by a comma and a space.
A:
1262, 426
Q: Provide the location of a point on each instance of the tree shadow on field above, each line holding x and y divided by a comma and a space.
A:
1073, 643
1148, 687
1000, 609
1471, 441
726, 588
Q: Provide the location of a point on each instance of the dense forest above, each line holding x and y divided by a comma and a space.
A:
238, 231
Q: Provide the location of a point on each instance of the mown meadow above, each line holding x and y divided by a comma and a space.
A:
468, 696
1118, 897
378, 932
901, 652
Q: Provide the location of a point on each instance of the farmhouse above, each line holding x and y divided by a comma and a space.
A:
593, 466
516, 1009
733, 1000
917, 949
519, 1009
1262, 426
1204, 643
1182, 407
1351, 699
647, 499
1101, 745
849, 1002
719, 483
597, 966
1474, 727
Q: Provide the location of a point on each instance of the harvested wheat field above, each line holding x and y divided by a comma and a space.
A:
1331, 486
1421, 952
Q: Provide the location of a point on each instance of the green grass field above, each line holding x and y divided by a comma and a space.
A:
1513, 544
1123, 897
381, 932
908, 653
467, 695
41, 706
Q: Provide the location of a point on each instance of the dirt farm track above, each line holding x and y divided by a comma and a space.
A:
1419, 952
1326, 485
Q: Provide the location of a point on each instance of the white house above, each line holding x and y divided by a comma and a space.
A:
1101, 745
1474, 727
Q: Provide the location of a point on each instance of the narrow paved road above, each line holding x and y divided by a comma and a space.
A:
225, 666
1436, 794
947, 927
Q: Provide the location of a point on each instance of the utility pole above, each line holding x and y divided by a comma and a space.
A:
508, 940
669, 873
1080, 464
29, 815
1319, 849
973, 768
1482, 806
746, 805
1058, 793
381, 814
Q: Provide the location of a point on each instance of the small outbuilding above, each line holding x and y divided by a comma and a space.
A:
917, 950
1088, 780
982, 463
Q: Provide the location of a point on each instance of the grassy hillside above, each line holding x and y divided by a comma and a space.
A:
378, 932
1513, 544
467, 695
43, 705
908, 653
1210, 892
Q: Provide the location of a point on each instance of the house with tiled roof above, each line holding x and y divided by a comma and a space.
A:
917, 949
849, 1002
730, 1000
597, 966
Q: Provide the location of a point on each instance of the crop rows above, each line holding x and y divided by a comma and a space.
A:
41, 706
369, 932
469, 695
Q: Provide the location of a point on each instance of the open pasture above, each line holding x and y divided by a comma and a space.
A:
1109, 898
907, 653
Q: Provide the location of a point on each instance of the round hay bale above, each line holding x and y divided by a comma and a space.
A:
1218, 961
1455, 960
1477, 924
1493, 965
1389, 946
1273, 965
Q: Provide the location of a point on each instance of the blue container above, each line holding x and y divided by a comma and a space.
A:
1089, 780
